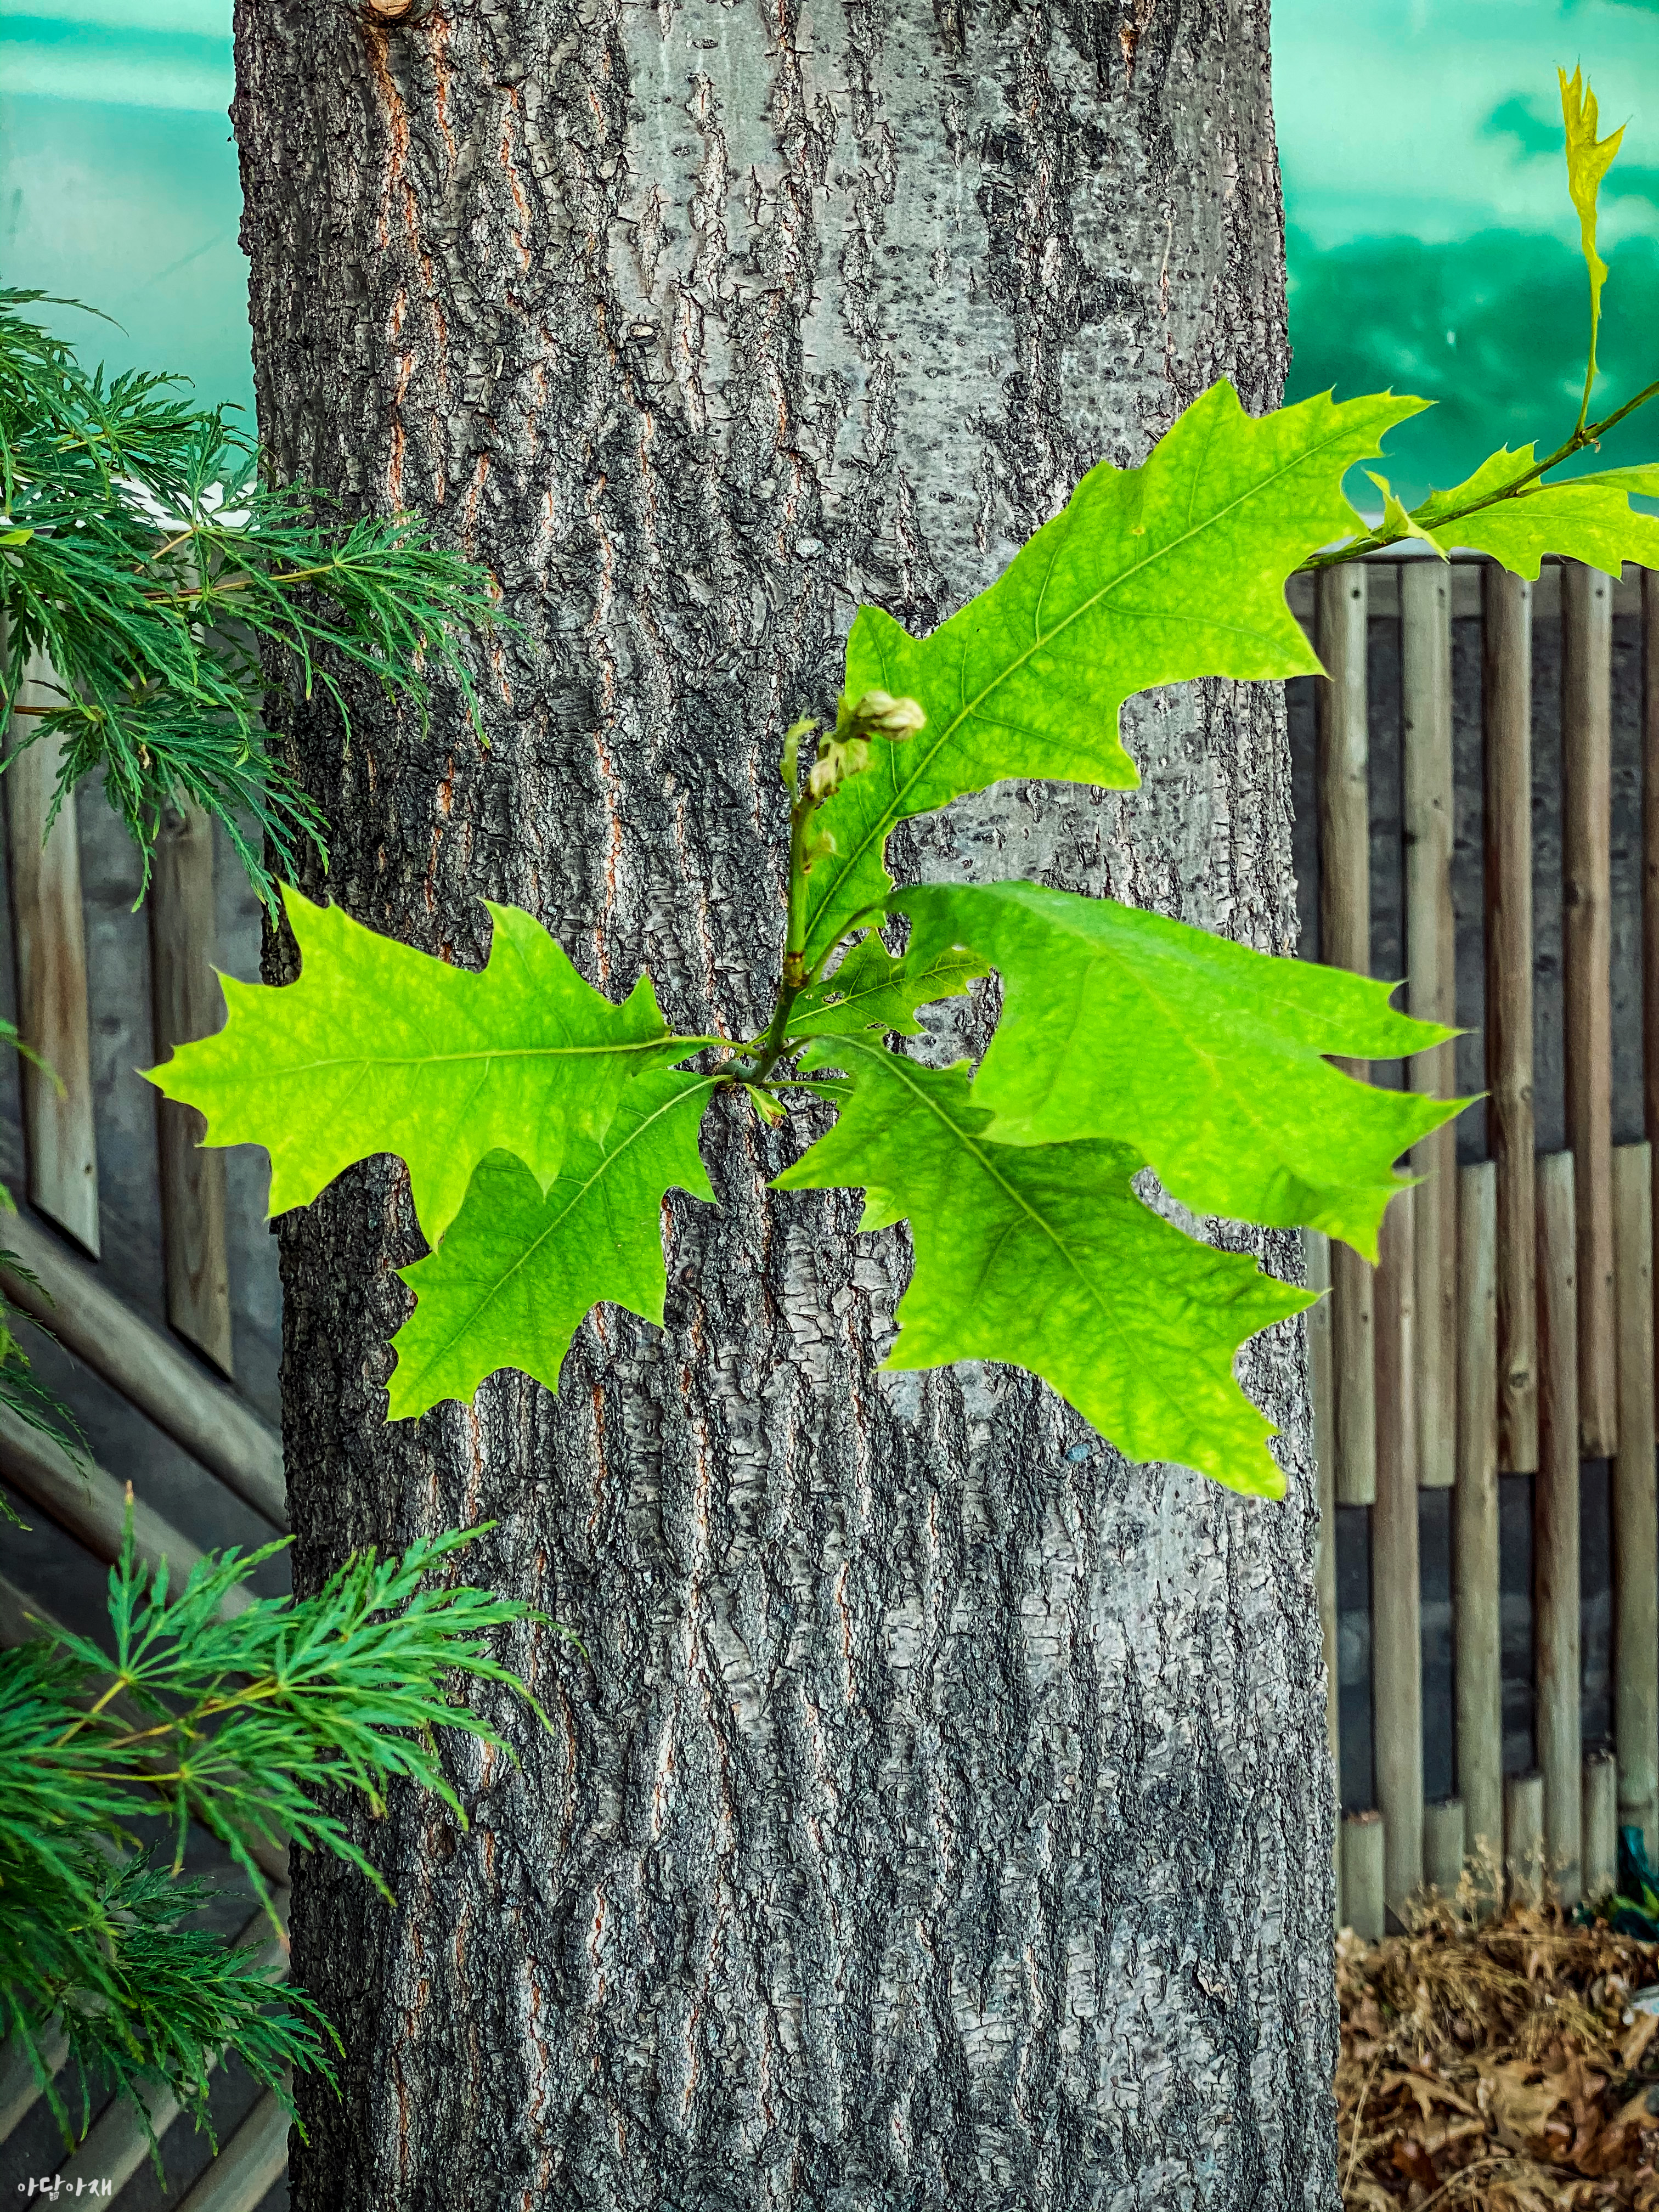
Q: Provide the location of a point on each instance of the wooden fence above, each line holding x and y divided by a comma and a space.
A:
1478, 811
156, 1275
1477, 804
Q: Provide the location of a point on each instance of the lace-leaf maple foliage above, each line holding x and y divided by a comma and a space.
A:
543, 1125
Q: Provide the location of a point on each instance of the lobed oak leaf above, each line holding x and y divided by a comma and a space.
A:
1149, 575
1042, 1256
377, 1047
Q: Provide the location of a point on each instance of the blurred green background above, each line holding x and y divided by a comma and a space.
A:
1433, 247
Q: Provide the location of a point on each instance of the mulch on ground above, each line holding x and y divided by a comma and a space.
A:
1507, 2068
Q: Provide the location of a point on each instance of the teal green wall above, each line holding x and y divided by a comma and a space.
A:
1431, 245
118, 180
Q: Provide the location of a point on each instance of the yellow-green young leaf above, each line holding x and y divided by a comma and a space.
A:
1150, 576
379, 1048
1585, 519
872, 990
1396, 523
518, 1269
1042, 1256
1208, 1060
1588, 159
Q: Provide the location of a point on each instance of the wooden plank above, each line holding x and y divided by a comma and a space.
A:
213, 1424
1321, 1384
1506, 705
1443, 1845
1363, 1842
50, 934
1587, 977
91, 1505
188, 1005
249, 2167
19, 2088
1432, 996
1523, 1837
1475, 1568
1465, 571
1635, 1501
1601, 1826
1555, 1528
115, 2146
1345, 908
1397, 1610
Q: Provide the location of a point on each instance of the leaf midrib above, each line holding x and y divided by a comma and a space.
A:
488, 1053
897, 1063
890, 814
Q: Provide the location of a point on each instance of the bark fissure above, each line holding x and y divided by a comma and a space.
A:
943, 1817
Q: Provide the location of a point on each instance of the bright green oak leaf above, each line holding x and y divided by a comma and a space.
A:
520, 1268
1150, 576
1206, 1058
1586, 519
872, 990
1588, 160
1042, 1256
379, 1048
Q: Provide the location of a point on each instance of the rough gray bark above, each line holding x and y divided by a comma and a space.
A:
944, 1819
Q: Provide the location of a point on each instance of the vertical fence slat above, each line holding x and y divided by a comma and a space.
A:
1443, 1845
1363, 1838
182, 931
1506, 711
1397, 1630
1431, 995
1345, 910
49, 933
1321, 1389
1587, 976
1524, 1836
1555, 1527
1649, 634
1475, 1565
1601, 1825
1635, 1501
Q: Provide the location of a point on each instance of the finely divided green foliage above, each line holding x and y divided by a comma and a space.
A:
1042, 1255
1125, 1040
378, 1048
519, 1269
1212, 1061
246, 1723
1148, 575
147, 554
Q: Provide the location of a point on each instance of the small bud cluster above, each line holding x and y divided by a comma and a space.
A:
877, 716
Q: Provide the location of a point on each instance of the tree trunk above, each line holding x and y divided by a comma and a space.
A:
944, 1818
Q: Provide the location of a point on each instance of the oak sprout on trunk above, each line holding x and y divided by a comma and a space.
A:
944, 1817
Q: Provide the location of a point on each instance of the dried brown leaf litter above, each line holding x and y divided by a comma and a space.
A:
1498, 2068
